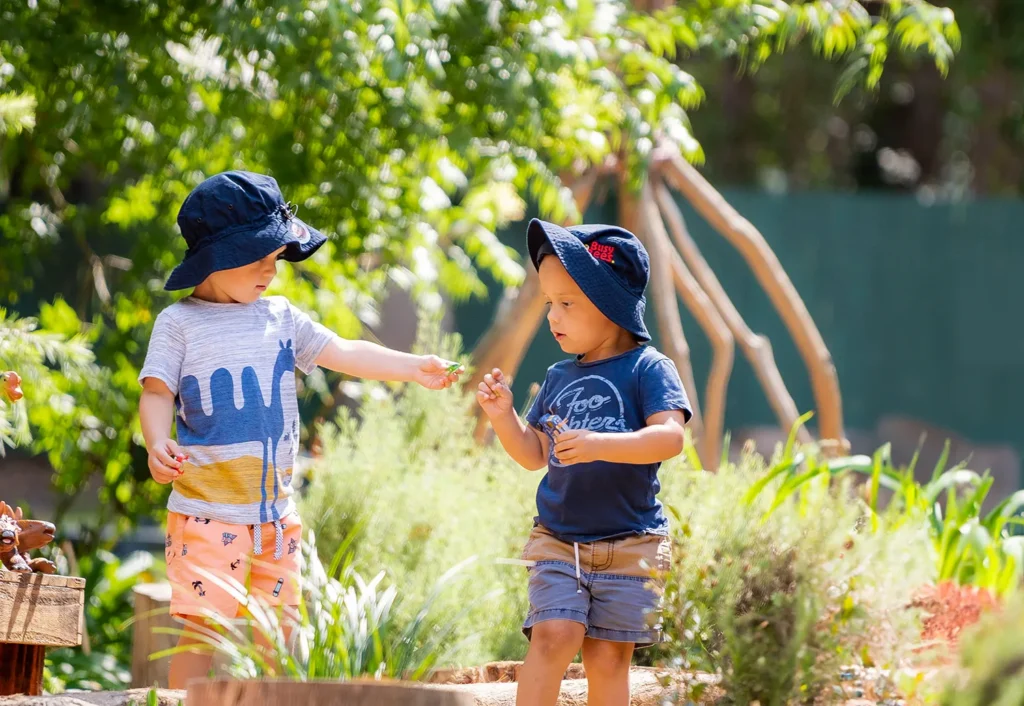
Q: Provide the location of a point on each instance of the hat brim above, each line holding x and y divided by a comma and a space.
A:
245, 247
622, 307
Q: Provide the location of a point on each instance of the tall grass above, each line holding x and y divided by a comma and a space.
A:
968, 547
346, 627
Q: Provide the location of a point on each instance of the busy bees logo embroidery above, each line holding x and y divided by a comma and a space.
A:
300, 232
604, 253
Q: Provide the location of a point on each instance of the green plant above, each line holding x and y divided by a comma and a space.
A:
346, 627
408, 474
969, 547
780, 591
991, 662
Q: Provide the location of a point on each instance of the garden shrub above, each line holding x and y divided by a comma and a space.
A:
992, 661
777, 602
421, 497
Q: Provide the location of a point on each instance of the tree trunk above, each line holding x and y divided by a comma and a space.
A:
152, 610
773, 278
756, 348
710, 321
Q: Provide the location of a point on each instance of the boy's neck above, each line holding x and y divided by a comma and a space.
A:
616, 344
212, 295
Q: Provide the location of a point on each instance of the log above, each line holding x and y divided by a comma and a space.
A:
229, 692
742, 234
756, 348
133, 697
666, 306
152, 610
36, 611
710, 321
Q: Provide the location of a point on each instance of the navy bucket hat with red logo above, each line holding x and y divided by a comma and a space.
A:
234, 219
608, 263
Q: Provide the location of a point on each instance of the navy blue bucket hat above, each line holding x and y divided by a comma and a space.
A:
234, 219
608, 263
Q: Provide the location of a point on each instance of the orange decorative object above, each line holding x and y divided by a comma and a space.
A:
10, 384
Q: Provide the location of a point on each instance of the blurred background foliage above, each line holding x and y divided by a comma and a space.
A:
408, 130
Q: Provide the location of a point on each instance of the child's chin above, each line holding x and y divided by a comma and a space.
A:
567, 346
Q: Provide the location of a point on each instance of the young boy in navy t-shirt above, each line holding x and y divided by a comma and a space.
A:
602, 424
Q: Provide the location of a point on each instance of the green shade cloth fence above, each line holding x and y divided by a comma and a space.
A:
922, 307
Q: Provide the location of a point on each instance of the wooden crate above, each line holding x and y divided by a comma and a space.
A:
36, 611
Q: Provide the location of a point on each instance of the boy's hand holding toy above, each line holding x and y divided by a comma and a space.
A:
494, 394
166, 461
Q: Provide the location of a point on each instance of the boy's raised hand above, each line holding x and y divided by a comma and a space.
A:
494, 394
166, 461
435, 373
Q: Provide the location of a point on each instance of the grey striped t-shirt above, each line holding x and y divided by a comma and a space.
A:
232, 368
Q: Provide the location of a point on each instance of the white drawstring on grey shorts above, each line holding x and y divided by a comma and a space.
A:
576, 549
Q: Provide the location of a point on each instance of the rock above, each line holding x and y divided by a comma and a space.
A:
645, 688
133, 697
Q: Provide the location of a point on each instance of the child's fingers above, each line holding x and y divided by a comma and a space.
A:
176, 451
161, 473
493, 385
497, 374
166, 459
485, 392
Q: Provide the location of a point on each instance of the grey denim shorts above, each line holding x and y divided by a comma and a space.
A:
613, 587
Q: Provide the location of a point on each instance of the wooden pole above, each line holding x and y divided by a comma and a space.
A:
710, 321
666, 306
152, 610
756, 348
742, 234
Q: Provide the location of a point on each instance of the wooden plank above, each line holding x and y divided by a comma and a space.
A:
228, 692
36, 609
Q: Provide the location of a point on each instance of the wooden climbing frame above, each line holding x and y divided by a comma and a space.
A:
680, 272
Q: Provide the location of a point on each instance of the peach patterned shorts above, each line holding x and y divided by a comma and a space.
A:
226, 550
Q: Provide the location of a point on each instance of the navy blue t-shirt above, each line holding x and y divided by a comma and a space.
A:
588, 502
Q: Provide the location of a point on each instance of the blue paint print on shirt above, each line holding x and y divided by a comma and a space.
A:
227, 424
588, 502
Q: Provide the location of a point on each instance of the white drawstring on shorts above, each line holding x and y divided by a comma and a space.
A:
576, 549
257, 539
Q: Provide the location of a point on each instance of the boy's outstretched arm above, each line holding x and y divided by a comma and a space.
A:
370, 361
527, 446
660, 440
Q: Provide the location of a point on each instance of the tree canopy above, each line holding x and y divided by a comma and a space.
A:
410, 131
